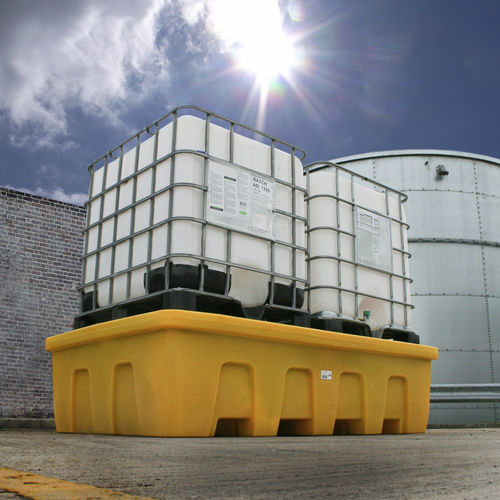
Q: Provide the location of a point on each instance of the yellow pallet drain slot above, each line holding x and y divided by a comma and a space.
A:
184, 373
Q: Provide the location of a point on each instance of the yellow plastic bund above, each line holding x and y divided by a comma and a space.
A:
184, 373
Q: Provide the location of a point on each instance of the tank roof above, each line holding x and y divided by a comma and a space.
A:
417, 152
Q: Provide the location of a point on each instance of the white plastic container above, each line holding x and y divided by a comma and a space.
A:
152, 203
358, 249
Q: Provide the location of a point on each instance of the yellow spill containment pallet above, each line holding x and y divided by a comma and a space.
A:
184, 373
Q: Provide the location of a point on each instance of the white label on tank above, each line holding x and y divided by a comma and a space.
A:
240, 199
373, 240
326, 375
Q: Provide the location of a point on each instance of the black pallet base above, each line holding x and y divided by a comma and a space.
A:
176, 298
176, 286
341, 325
400, 335
287, 316
192, 300
279, 314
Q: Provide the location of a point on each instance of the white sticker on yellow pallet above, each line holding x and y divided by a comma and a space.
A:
326, 375
240, 199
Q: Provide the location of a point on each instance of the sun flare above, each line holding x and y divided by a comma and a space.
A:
253, 33
267, 56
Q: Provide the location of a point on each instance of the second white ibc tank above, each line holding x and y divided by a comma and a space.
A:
358, 249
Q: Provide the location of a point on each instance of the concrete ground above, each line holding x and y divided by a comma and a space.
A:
443, 463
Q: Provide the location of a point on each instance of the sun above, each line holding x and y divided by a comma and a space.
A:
268, 56
252, 31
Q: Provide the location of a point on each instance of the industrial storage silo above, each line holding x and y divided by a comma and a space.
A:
453, 210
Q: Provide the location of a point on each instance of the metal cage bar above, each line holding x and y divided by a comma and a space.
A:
99, 233
391, 275
132, 217
171, 197
404, 248
115, 228
355, 251
294, 229
86, 239
152, 206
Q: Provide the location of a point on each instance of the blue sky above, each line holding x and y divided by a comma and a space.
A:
79, 77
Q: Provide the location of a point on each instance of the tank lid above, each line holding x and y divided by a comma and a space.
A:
417, 152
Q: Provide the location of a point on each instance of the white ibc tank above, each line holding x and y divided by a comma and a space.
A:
358, 249
193, 193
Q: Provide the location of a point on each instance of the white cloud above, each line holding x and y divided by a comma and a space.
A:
99, 57
92, 55
234, 21
54, 194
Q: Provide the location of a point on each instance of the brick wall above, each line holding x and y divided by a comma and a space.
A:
40, 246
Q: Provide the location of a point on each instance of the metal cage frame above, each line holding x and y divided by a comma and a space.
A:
386, 331
134, 142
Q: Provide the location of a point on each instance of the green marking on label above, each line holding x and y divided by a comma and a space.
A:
229, 178
213, 207
242, 212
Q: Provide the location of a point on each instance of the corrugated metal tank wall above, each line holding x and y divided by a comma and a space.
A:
455, 242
